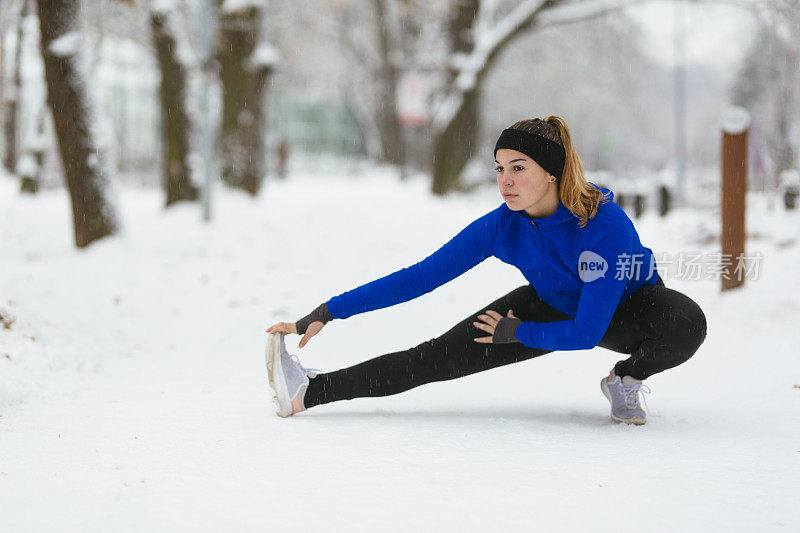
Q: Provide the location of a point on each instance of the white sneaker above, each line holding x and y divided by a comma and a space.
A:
287, 377
623, 394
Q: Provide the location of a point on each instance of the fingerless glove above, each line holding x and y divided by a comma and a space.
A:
506, 330
320, 314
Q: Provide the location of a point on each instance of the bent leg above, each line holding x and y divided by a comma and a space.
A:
450, 356
660, 327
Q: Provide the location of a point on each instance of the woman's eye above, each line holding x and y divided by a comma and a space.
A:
498, 169
519, 168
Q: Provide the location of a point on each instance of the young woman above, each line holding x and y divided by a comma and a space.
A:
592, 283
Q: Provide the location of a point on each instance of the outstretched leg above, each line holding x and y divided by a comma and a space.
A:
450, 356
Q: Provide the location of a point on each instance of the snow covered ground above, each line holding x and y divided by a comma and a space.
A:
133, 392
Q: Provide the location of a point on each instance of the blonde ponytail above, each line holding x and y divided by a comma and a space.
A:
577, 194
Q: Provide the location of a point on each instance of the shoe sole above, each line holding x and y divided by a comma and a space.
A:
274, 368
636, 420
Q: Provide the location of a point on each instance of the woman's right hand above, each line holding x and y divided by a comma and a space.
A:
290, 327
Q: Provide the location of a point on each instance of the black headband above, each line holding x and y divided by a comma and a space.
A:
550, 155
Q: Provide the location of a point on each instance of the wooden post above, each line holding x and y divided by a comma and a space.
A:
735, 123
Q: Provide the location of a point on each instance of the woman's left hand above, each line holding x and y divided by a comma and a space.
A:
489, 323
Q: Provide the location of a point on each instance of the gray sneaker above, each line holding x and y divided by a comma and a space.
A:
623, 393
287, 377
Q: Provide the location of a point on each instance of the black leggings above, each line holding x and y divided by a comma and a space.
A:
659, 327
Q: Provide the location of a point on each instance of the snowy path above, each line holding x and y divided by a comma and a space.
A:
142, 402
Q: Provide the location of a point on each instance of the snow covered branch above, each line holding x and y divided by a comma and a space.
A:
576, 12
487, 43
491, 37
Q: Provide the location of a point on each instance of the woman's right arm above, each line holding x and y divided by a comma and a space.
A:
468, 248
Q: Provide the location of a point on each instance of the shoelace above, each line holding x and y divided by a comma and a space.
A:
631, 393
305, 370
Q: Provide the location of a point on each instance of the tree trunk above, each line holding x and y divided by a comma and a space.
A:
12, 102
786, 99
243, 78
175, 124
392, 146
83, 164
783, 154
452, 146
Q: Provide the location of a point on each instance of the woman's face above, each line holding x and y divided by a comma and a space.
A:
524, 184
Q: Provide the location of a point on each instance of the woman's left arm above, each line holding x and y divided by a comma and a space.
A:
598, 301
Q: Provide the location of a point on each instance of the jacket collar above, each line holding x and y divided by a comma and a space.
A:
561, 214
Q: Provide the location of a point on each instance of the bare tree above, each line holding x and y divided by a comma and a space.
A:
245, 66
768, 82
83, 163
175, 122
404, 38
392, 147
12, 98
453, 142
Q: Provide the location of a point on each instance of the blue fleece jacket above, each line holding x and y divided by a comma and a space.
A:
583, 272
